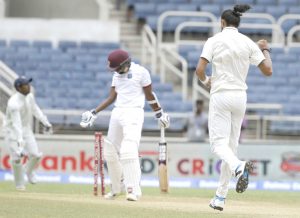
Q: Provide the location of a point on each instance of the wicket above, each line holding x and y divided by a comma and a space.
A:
98, 163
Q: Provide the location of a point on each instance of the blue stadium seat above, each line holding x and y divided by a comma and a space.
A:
223, 2
142, 10
199, 2
276, 11
186, 7
162, 7
215, 9
44, 103
249, 2
294, 9
163, 87
3, 43
288, 24
291, 108
294, 51
85, 58
289, 2
152, 22
19, 43
265, 2
28, 50
257, 9
61, 58
42, 44
64, 45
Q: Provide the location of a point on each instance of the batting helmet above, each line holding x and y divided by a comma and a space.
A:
118, 60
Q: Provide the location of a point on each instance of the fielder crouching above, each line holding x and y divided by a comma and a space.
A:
131, 84
18, 132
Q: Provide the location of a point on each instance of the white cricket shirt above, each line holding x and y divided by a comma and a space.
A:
230, 54
129, 86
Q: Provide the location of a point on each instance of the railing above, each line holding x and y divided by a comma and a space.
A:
282, 118
7, 78
171, 66
166, 14
290, 35
178, 41
277, 33
149, 48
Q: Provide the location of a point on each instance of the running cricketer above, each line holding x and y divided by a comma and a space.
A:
18, 132
131, 84
230, 54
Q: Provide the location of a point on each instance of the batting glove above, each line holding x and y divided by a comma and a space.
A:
20, 149
163, 118
47, 128
88, 118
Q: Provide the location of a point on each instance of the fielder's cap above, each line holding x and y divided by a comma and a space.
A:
22, 81
116, 58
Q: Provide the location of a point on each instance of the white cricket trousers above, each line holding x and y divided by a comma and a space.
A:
121, 154
226, 113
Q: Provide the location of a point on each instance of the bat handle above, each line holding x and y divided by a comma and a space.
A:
162, 134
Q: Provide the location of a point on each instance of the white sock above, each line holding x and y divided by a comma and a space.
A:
115, 175
132, 175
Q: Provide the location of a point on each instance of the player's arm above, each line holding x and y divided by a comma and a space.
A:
37, 112
152, 100
108, 101
200, 72
88, 117
205, 58
266, 65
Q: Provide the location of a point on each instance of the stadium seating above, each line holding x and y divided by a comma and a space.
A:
74, 76
150, 11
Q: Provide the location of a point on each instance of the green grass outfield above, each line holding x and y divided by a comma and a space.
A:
72, 200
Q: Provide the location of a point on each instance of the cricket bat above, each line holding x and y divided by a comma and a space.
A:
163, 163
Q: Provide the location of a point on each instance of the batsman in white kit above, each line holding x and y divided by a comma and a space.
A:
131, 84
230, 54
21, 108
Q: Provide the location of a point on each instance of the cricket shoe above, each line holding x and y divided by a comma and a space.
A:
20, 188
31, 178
111, 196
242, 174
217, 203
131, 196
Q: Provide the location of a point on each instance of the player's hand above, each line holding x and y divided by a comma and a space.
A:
263, 44
88, 118
207, 82
47, 129
163, 118
20, 149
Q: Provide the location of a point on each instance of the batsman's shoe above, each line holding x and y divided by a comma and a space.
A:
112, 196
131, 197
31, 178
242, 174
217, 203
20, 188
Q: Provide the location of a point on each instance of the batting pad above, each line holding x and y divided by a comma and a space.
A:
115, 175
18, 172
132, 175
33, 162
